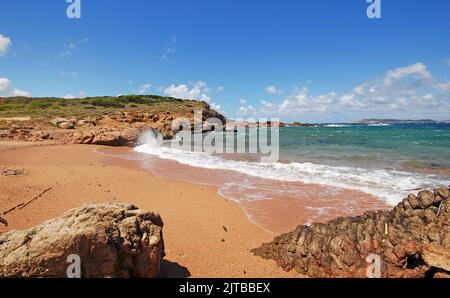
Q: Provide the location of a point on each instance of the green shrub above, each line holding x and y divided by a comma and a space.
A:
10, 107
107, 103
39, 105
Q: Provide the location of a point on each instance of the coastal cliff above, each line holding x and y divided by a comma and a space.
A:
110, 121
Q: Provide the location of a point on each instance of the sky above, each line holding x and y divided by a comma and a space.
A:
297, 60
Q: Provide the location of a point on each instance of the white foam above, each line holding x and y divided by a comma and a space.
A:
379, 124
390, 185
336, 125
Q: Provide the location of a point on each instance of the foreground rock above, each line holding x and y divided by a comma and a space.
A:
412, 240
111, 241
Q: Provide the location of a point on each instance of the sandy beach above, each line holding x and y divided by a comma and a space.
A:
205, 234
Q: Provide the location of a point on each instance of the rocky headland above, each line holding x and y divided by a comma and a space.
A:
412, 240
109, 121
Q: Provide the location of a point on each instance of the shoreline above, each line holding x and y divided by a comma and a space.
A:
276, 212
206, 235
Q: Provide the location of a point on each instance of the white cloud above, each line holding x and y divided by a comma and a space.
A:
18, 92
266, 104
349, 101
6, 89
81, 94
300, 101
198, 91
443, 86
273, 90
418, 70
242, 101
410, 90
220, 89
247, 111
145, 88
216, 107
4, 84
5, 43
72, 46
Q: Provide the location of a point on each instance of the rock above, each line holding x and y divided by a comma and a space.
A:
63, 123
442, 274
11, 172
443, 192
426, 198
113, 129
56, 121
82, 123
66, 125
110, 241
106, 137
412, 240
436, 256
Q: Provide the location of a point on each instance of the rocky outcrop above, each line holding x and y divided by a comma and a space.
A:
115, 129
110, 240
412, 240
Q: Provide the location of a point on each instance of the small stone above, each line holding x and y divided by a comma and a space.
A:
66, 125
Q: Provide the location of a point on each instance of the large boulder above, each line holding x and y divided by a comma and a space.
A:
111, 240
412, 240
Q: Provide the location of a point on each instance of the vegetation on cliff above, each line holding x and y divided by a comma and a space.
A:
91, 106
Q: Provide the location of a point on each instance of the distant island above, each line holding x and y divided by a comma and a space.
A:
398, 121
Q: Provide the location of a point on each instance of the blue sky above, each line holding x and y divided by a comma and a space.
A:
306, 60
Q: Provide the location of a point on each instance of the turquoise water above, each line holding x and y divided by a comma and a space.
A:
405, 147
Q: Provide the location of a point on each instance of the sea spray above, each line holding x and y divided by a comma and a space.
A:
150, 138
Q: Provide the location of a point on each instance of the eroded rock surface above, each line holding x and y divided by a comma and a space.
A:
114, 129
111, 240
412, 240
